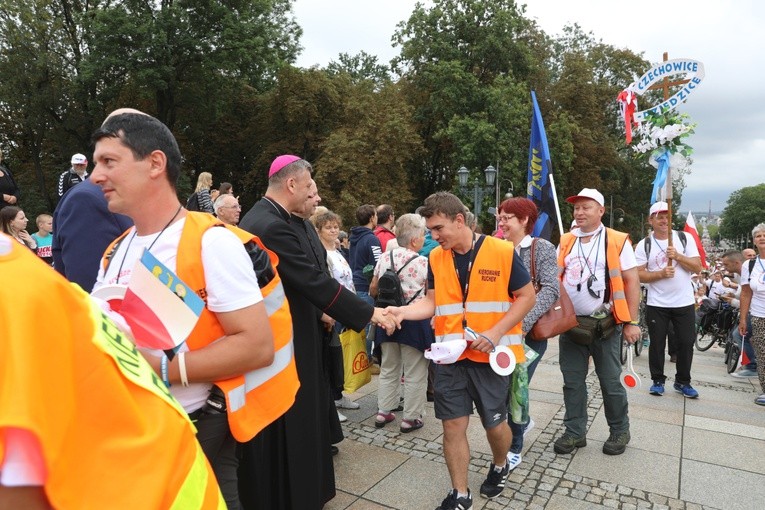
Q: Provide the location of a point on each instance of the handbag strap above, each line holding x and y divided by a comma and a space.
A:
533, 264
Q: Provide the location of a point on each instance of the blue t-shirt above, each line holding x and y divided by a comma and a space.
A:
44, 248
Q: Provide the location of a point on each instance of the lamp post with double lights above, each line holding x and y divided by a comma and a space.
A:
479, 191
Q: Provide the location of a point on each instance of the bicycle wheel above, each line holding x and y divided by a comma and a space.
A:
641, 341
623, 351
732, 358
704, 340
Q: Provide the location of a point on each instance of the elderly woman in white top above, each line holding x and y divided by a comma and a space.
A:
327, 225
402, 352
753, 302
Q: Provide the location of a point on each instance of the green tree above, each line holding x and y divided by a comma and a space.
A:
463, 64
364, 159
360, 67
745, 209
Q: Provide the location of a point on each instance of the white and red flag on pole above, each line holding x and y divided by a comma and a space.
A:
690, 228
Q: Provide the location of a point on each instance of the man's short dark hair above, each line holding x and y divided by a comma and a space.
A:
734, 255
384, 213
443, 202
365, 213
143, 134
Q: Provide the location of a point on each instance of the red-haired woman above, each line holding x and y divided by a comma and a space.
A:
517, 217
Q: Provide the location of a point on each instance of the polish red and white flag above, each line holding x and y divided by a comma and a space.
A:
690, 228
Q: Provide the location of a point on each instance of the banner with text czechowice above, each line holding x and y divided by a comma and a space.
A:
159, 307
693, 70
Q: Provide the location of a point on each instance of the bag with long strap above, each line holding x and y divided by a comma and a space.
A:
561, 316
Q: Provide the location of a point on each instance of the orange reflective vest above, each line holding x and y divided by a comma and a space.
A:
488, 300
256, 399
615, 242
109, 432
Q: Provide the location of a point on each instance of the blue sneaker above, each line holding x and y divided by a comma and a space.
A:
657, 388
687, 390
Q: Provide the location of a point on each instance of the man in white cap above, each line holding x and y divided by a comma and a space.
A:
667, 271
600, 276
75, 175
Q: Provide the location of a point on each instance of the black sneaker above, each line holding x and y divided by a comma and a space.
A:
452, 502
566, 443
495, 482
616, 444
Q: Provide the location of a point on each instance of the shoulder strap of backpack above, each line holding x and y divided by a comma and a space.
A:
647, 248
683, 238
751, 266
533, 262
406, 263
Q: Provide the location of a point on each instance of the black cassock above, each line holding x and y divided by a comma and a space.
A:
289, 464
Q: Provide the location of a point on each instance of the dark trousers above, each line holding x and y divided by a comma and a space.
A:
683, 320
221, 450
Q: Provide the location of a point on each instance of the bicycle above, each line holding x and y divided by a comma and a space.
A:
714, 327
733, 345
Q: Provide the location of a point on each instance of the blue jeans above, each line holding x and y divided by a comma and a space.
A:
574, 365
369, 299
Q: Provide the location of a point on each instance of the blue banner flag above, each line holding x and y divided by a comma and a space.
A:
541, 187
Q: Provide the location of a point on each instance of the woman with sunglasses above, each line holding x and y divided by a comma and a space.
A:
516, 218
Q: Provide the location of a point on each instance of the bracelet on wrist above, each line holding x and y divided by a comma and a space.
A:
634, 323
163, 370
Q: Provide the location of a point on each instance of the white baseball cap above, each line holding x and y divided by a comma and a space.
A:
445, 353
590, 193
658, 207
79, 159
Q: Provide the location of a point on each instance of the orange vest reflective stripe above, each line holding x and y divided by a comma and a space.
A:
109, 432
488, 300
615, 242
255, 399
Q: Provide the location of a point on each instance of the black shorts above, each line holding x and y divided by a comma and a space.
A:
460, 385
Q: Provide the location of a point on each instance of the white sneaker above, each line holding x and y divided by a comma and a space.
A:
346, 403
513, 460
529, 428
343, 418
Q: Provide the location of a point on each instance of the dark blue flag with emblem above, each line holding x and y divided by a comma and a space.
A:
541, 186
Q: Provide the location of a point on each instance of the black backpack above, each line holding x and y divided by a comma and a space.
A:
680, 234
389, 291
192, 204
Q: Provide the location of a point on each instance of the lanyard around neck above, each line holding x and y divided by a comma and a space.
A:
466, 285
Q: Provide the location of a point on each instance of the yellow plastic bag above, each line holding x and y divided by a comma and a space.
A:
355, 361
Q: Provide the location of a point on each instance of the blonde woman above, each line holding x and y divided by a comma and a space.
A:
202, 200
13, 222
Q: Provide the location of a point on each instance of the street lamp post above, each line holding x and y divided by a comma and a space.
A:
479, 190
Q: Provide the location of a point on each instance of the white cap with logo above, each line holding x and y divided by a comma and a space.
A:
590, 193
79, 159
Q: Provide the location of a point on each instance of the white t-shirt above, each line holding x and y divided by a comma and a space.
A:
340, 269
230, 281
667, 292
584, 260
757, 284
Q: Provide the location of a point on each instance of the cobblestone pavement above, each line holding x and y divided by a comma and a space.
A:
547, 480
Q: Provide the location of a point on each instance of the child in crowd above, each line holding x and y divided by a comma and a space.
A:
44, 238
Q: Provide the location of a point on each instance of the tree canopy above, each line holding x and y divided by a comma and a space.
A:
220, 75
745, 209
